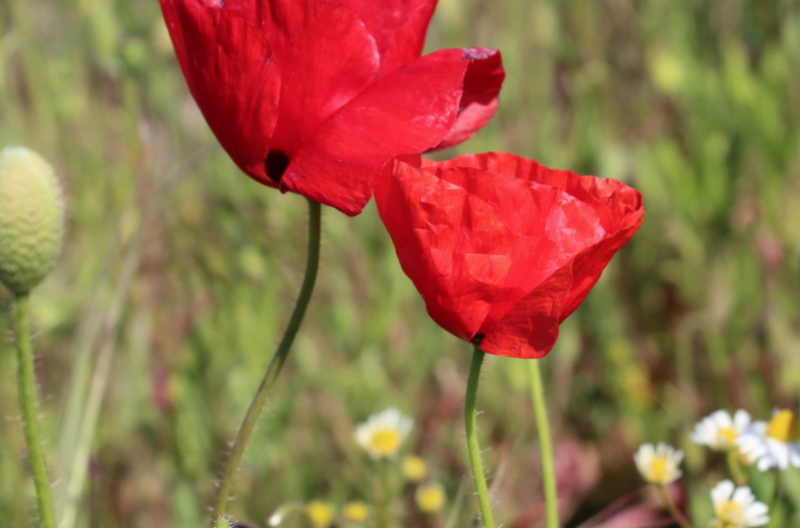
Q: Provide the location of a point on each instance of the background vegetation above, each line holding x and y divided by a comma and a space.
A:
179, 272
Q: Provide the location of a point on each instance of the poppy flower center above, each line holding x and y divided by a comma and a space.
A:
276, 164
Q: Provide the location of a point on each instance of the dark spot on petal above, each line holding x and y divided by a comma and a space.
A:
276, 164
478, 339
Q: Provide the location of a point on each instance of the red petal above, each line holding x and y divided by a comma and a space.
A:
409, 110
501, 231
617, 206
456, 272
530, 329
228, 66
545, 227
479, 101
588, 266
325, 56
399, 27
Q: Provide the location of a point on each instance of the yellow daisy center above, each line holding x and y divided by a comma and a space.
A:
430, 498
356, 511
385, 441
320, 513
784, 427
728, 434
658, 470
730, 513
414, 468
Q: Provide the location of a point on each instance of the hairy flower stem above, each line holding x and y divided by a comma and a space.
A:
673, 510
274, 368
30, 413
545, 444
473, 447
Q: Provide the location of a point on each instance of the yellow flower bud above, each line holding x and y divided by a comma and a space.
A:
414, 468
430, 498
320, 513
31, 218
356, 511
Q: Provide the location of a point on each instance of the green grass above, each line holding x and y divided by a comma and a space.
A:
693, 102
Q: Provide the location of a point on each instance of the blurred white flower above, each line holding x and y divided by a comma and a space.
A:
658, 465
719, 431
773, 443
736, 507
383, 433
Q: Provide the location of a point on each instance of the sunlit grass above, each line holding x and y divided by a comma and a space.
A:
694, 103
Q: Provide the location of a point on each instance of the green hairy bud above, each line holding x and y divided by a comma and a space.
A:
31, 218
222, 522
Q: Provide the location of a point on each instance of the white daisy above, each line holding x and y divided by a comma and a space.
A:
383, 433
658, 465
736, 507
773, 443
719, 431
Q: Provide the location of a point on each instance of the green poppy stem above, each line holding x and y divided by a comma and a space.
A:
473, 447
275, 365
545, 444
29, 409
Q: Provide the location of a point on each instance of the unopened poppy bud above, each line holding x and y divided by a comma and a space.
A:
31, 218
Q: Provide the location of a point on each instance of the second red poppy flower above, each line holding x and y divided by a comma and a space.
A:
501, 248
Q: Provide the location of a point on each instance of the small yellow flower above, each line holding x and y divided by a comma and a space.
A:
658, 465
320, 513
356, 511
430, 498
414, 468
720, 431
737, 507
383, 433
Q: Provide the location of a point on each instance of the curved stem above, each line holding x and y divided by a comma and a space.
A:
735, 468
673, 510
545, 444
777, 491
28, 406
274, 368
473, 447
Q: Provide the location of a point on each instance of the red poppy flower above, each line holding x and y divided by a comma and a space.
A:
501, 248
316, 96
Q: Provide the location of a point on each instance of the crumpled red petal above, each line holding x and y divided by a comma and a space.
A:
408, 110
501, 248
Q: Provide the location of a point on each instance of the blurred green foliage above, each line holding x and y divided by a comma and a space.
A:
180, 272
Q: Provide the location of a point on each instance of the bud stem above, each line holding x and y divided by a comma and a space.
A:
30, 413
545, 444
473, 447
274, 368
